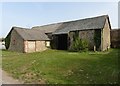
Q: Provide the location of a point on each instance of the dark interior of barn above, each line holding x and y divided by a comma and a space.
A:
97, 39
62, 42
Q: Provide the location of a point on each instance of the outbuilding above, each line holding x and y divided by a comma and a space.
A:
26, 40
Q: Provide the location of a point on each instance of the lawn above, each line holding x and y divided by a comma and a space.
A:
63, 67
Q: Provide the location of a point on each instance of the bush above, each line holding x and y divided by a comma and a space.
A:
7, 42
79, 45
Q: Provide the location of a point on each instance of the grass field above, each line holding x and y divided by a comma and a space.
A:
62, 67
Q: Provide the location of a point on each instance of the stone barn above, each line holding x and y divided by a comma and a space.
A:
26, 40
95, 30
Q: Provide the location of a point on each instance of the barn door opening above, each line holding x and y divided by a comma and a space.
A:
97, 39
62, 42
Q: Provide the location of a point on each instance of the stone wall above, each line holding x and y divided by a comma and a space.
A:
105, 37
40, 45
87, 35
54, 42
16, 42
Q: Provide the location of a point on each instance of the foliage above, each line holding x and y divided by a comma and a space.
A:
62, 67
97, 38
7, 42
78, 44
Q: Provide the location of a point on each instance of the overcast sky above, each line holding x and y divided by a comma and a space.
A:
29, 14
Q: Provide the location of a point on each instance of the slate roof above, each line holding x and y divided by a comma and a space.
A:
30, 34
84, 24
48, 28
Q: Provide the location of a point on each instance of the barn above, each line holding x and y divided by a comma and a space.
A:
26, 40
95, 30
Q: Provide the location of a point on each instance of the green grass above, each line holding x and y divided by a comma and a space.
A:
62, 67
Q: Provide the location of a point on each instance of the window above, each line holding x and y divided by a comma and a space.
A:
48, 43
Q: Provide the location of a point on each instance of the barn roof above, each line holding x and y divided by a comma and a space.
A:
48, 28
84, 24
30, 34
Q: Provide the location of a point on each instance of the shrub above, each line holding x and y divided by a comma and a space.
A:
79, 45
7, 42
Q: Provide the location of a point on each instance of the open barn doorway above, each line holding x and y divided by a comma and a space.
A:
62, 42
97, 39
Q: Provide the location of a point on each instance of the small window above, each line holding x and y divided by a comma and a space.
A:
47, 43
